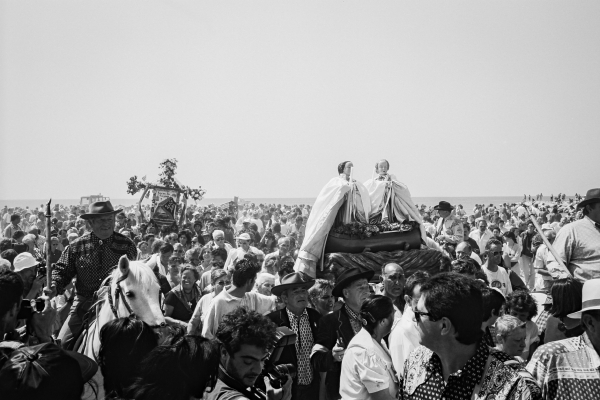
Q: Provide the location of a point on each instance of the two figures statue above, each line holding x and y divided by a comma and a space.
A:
344, 200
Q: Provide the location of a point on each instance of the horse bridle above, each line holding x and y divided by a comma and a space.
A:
114, 305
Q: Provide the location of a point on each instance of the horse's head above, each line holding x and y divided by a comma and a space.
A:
140, 292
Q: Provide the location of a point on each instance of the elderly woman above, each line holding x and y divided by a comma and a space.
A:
521, 305
181, 301
510, 336
219, 279
320, 296
367, 370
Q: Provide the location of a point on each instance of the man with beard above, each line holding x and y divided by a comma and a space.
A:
338, 328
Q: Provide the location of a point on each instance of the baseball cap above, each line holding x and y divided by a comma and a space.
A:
47, 369
23, 261
244, 236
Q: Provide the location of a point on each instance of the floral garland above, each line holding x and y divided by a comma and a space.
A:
361, 230
166, 179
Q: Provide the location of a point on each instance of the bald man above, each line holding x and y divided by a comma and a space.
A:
282, 254
464, 249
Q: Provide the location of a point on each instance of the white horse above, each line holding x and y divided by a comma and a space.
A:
133, 292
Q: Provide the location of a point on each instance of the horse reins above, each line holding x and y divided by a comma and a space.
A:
114, 305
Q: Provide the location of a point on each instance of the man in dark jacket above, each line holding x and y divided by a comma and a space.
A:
304, 321
338, 328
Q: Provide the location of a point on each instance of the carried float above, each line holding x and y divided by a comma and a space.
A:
365, 226
168, 197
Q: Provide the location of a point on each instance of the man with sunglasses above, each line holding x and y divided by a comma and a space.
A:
453, 362
219, 241
497, 275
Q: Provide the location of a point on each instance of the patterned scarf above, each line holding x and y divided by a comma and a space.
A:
355, 320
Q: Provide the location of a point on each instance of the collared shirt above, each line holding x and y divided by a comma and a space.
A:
403, 339
567, 369
304, 344
489, 374
577, 245
481, 239
366, 369
224, 303
91, 260
452, 230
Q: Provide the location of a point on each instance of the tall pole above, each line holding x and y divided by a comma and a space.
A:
48, 242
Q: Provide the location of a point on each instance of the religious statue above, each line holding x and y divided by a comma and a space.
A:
390, 199
341, 201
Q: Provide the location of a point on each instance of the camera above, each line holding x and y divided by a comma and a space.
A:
278, 374
27, 310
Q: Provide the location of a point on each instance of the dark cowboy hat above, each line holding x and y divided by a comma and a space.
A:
292, 281
100, 209
443, 206
592, 196
347, 277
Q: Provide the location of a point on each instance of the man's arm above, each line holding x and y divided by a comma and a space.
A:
564, 245
321, 357
64, 271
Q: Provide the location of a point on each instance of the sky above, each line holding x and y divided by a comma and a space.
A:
263, 99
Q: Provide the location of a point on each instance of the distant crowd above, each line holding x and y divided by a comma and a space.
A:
516, 316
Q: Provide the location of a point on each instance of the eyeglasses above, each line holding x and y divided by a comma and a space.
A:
419, 314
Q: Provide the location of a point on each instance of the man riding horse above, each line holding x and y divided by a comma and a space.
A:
90, 259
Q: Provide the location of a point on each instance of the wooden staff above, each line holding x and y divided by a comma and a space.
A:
48, 246
546, 242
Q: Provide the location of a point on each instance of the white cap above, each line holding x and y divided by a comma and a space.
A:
23, 261
590, 299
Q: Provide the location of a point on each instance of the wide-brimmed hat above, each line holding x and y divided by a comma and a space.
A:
24, 261
30, 368
293, 281
347, 277
590, 299
100, 209
592, 196
443, 206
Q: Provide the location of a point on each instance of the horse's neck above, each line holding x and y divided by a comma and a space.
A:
105, 315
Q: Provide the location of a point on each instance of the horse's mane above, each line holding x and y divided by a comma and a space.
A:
140, 272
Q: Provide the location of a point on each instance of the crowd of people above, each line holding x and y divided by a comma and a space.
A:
516, 317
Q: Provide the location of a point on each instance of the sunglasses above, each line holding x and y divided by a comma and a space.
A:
223, 283
419, 314
495, 253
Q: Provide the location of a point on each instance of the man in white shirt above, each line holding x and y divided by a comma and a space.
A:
481, 235
240, 294
243, 248
404, 336
497, 276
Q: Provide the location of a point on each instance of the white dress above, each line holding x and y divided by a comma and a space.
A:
366, 368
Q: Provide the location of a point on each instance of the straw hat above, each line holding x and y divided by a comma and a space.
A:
590, 300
